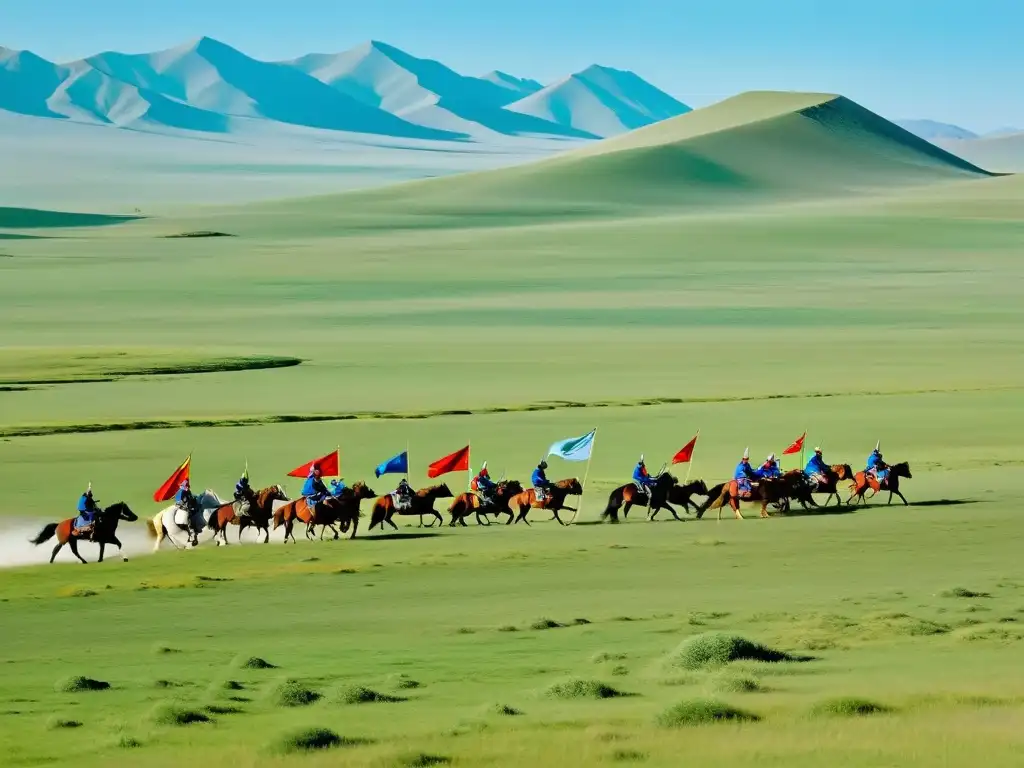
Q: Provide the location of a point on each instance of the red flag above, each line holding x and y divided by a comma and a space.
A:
329, 466
796, 446
686, 452
456, 462
171, 485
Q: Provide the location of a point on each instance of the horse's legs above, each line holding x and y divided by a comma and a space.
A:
114, 540
668, 506
555, 513
523, 509
735, 504
897, 492
56, 549
73, 543
103, 546
390, 522
437, 516
764, 508
625, 509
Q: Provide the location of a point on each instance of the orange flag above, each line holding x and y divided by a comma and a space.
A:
170, 487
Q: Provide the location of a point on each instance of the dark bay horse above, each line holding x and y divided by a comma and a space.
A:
261, 511
625, 496
554, 501
104, 530
683, 494
766, 491
862, 481
343, 512
422, 504
804, 489
469, 502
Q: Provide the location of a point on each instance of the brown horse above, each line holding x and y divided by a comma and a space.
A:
422, 504
862, 481
299, 510
553, 501
104, 530
766, 491
804, 488
344, 511
468, 502
683, 494
626, 496
261, 511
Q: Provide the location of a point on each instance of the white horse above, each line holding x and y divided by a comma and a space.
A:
173, 519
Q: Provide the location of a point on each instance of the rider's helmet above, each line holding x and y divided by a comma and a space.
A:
817, 451
641, 460
483, 470
543, 464
88, 491
316, 470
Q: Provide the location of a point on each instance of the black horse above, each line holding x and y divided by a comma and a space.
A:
628, 495
104, 530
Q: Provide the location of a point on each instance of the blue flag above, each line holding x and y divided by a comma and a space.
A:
396, 465
575, 448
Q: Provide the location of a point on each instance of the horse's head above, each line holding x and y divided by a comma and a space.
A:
571, 486
271, 494
119, 511
902, 470
442, 492
363, 491
510, 487
665, 481
842, 471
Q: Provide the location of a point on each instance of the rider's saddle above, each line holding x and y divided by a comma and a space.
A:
402, 502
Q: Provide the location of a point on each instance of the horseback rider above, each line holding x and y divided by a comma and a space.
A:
876, 464
244, 494
770, 469
744, 474
314, 490
184, 499
87, 509
484, 486
541, 484
337, 486
403, 494
816, 470
642, 478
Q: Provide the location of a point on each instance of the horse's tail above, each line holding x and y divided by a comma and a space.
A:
378, 513
719, 502
278, 517
612, 508
151, 528
213, 523
45, 535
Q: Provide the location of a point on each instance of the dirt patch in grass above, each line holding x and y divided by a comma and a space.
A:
848, 706
714, 649
701, 712
80, 685
582, 689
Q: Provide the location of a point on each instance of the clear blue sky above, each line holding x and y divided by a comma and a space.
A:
958, 61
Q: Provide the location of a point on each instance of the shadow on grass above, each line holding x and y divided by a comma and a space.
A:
400, 536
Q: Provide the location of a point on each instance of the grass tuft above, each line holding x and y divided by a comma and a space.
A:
308, 740
222, 709
255, 662
602, 656
729, 683
963, 592
81, 684
421, 760
357, 694
177, 715
545, 624
848, 706
582, 689
127, 742
292, 693
714, 649
702, 712
628, 756
505, 710
232, 685
60, 723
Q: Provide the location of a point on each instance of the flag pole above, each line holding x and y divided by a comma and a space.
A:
803, 445
407, 464
586, 474
689, 464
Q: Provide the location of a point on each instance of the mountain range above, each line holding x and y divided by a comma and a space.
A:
209, 87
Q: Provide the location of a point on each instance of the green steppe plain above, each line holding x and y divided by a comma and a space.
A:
894, 315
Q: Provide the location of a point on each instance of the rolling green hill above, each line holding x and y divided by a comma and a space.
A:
759, 148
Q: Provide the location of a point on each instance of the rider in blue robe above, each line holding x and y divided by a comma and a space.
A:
642, 477
184, 498
744, 474
816, 470
877, 466
243, 494
314, 489
770, 469
484, 485
541, 484
337, 486
86, 512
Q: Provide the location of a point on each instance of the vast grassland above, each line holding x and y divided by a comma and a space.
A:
892, 316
